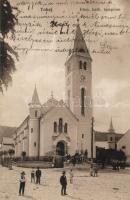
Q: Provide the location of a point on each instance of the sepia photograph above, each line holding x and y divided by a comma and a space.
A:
65, 99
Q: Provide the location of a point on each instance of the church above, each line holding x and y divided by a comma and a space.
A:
58, 127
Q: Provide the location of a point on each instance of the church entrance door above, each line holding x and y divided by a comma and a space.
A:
60, 148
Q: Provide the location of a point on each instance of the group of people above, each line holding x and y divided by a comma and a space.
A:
78, 158
36, 176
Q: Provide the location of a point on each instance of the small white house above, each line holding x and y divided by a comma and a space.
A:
124, 144
7, 143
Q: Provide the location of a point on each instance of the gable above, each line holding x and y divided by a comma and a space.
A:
60, 112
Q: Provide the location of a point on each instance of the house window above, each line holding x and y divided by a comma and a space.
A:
123, 147
31, 130
111, 139
36, 113
55, 127
85, 65
65, 128
35, 144
82, 136
83, 101
60, 125
80, 64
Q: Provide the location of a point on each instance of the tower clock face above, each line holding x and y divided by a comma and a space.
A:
82, 78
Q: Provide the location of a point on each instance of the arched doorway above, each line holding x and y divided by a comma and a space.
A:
60, 148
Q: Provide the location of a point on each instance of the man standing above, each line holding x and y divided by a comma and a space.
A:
38, 176
63, 182
22, 184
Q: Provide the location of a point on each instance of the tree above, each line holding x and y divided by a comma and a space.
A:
7, 54
110, 156
11, 152
1, 153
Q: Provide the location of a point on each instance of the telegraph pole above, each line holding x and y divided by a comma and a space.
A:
92, 128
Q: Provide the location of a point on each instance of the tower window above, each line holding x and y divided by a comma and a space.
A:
55, 127
85, 65
68, 68
36, 113
80, 64
60, 125
83, 101
68, 97
35, 144
65, 128
31, 130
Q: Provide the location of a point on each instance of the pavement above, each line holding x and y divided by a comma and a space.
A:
109, 185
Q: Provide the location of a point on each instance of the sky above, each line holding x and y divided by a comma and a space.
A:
111, 83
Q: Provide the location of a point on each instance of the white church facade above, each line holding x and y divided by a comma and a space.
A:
58, 127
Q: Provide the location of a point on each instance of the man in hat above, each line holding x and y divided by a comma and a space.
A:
22, 183
38, 176
63, 182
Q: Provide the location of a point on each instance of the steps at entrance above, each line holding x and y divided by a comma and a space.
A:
34, 164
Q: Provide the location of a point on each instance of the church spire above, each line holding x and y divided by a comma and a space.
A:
111, 128
35, 98
79, 45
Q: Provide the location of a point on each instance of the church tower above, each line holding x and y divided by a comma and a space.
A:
34, 125
111, 136
78, 76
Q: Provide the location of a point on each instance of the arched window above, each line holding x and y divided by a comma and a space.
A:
55, 127
85, 65
83, 101
82, 136
60, 125
65, 128
80, 64
35, 113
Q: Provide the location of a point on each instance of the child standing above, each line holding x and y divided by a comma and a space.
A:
22, 183
32, 176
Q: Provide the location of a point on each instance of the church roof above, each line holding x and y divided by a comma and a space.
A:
35, 98
7, 140
79, 44
103, 136
48, 105
52, 104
